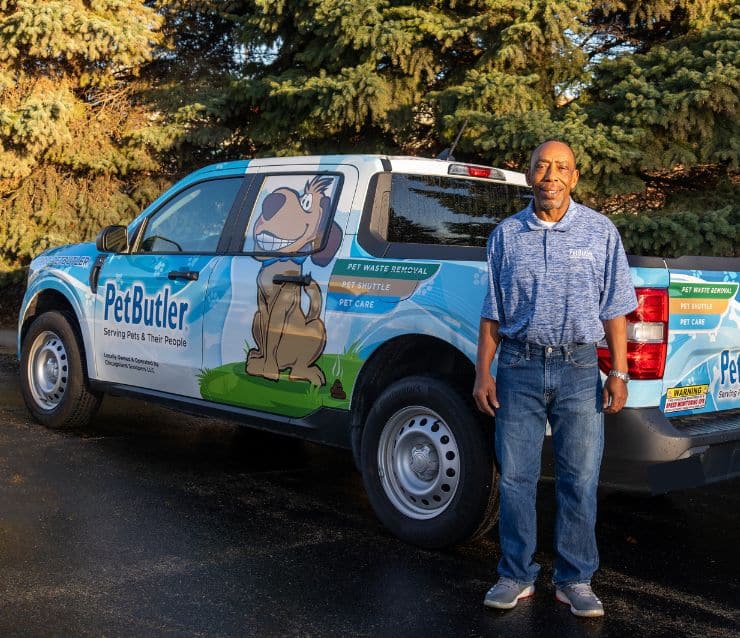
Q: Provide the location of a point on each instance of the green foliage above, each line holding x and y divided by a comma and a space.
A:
683, 97
676, 233
643, 23
390, 76
53, 208
634, 86
677, 103
73, 138
102, 102
192, 70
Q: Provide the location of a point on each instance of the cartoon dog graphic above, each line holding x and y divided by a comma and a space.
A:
291, 224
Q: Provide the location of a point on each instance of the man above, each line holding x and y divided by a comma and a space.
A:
558, 283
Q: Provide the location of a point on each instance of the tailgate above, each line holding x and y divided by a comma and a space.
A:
702, 371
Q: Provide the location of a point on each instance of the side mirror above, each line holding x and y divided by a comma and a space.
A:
112, 239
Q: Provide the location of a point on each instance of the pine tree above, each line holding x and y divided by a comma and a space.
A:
186, 82
638, 87
323, 74
75, 146
674, 103
103, 101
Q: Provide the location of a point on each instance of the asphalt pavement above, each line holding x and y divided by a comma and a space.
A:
151, 523
7, 340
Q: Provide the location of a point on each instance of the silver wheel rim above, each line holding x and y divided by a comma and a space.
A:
48, 370
418, 462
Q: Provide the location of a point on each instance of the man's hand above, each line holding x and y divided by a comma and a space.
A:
614, 395
615, 390
484, 393
484, 389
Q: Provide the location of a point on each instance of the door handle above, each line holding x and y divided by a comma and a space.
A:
189, 275
301, 280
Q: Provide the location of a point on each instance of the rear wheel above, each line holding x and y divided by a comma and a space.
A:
54, 382
427, 464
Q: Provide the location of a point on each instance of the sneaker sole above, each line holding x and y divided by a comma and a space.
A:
526, 593
588, 613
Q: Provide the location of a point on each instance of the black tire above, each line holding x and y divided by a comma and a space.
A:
414, 422
60, 397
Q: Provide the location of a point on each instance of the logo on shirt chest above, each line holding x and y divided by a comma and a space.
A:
580, 253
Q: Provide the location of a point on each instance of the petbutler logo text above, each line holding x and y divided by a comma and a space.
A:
729, 375
135, 307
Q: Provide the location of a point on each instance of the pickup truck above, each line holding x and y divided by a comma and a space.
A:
337, 299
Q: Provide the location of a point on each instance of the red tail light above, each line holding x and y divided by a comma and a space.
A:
647, 336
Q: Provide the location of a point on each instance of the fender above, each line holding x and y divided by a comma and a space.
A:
439, 352
405, 328
79, 296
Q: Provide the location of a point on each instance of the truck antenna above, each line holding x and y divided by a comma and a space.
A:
447, 153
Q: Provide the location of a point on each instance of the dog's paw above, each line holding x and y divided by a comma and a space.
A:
255, 364
269, 372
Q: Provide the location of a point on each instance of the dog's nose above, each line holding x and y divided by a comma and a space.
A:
272, 204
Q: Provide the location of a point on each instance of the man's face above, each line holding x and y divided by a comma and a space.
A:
552, 175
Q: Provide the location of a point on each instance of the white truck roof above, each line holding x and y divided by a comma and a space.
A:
398, 164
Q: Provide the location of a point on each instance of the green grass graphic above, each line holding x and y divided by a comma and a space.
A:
231, 384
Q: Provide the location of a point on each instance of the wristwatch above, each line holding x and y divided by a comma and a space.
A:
620, 375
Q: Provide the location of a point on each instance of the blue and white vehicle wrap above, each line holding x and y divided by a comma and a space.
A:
209, 337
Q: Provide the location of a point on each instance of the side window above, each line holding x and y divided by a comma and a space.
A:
449, 211
191, 222
292, 213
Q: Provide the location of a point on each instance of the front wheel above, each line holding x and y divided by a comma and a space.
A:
427, 464
53, 376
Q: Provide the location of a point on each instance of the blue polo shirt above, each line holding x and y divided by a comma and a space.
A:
555, 285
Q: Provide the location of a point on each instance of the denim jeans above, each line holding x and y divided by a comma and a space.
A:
559, 384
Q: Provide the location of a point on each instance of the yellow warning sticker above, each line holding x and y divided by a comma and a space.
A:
688, 397
687, 391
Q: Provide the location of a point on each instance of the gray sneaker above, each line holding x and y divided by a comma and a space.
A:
582, 600
506, 593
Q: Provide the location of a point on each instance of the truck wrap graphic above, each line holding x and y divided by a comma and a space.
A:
148, 327
279, 284
702, 373
360, 285
135, 307
292, 225
699, 306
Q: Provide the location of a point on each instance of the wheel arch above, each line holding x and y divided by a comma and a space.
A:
55, 295
402, 356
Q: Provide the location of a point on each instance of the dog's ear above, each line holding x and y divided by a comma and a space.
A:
333, 242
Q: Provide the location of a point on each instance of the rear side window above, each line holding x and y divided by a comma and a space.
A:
446, 211
293, 214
